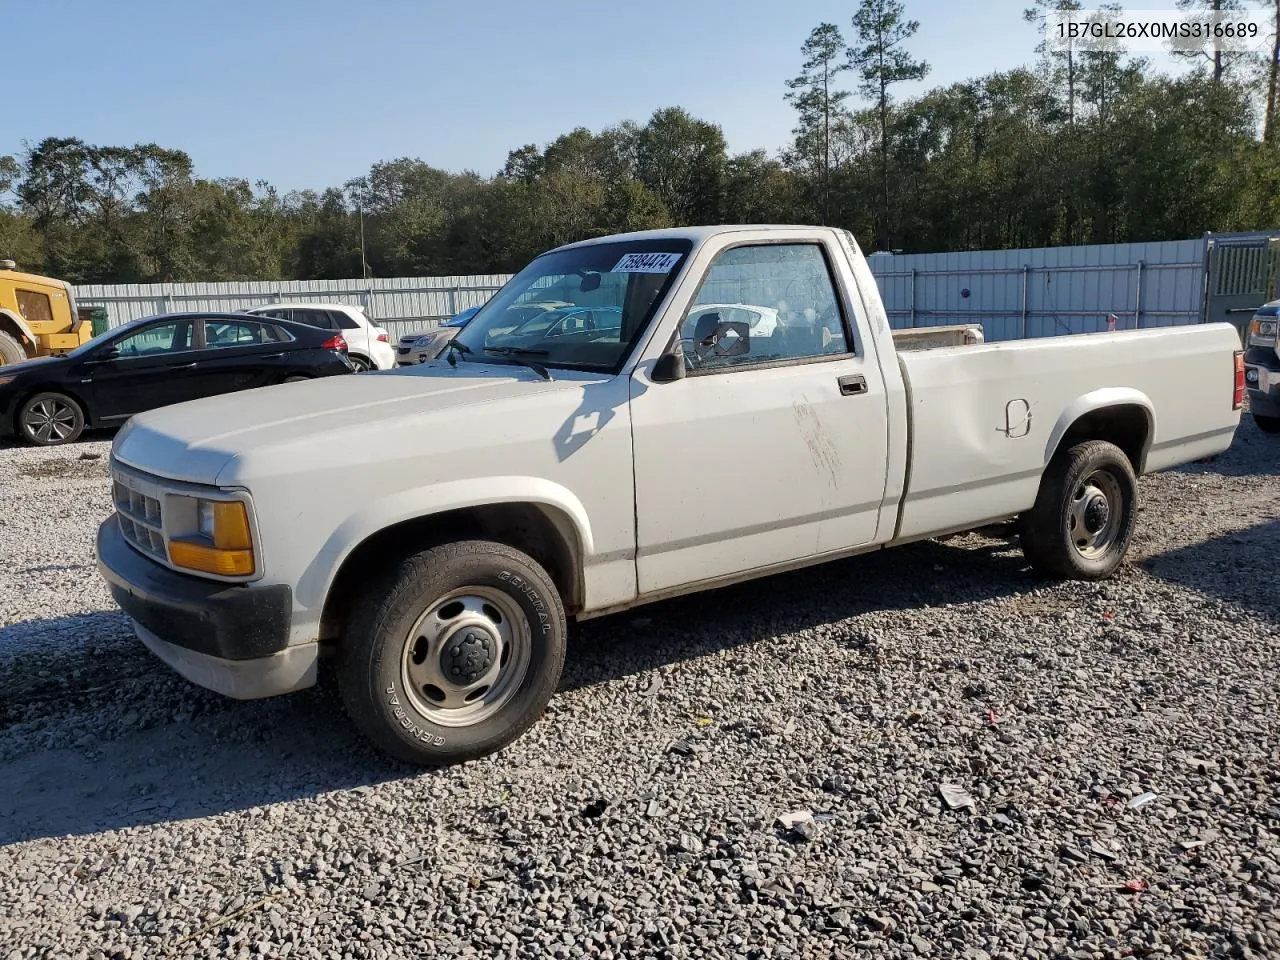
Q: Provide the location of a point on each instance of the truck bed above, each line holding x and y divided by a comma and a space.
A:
984, 418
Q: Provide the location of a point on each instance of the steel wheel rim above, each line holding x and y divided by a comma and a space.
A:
1095, 513
466, 656
50, 419
360, 364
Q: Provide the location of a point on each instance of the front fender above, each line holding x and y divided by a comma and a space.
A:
420, 502
8, 317
1101, 399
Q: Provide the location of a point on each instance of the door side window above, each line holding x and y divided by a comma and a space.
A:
34, 307
766, 303
219, 334
162, 338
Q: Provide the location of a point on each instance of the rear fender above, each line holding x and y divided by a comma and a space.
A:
1095, 402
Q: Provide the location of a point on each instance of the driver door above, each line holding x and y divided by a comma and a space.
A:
773, 448
152, 367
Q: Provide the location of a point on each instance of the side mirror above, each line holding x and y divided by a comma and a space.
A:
727, 339
670, 366
106, 353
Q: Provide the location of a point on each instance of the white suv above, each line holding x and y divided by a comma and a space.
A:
368, 345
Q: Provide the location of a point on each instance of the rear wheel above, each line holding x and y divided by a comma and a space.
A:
454, 654
1267, 424
49, 419
360, 363
1082, 522
10, 350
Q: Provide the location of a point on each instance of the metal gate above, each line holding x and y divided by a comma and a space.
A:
1242, 275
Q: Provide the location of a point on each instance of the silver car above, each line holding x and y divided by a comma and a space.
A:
420, 347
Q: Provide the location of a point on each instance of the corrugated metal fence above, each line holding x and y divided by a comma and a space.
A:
1012, 293
1048, 291
402, 305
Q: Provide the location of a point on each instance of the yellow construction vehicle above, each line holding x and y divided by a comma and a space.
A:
38, 316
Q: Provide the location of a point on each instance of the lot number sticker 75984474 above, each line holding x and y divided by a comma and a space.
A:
647, 263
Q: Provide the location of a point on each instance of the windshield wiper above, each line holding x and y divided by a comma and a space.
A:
519, 353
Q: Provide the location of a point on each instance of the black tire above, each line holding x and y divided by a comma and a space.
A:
1267, 424
10, 350
360, 363
406, 627
295, 378
1054, 531
49, 419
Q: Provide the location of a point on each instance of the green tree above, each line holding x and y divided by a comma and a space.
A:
881, 61
811, 94
1271, 115
682, 161
1060, 66
1220, 63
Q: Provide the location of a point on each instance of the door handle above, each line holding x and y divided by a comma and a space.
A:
852, 385
182, 366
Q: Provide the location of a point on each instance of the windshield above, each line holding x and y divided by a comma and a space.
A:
580, 308
100, 339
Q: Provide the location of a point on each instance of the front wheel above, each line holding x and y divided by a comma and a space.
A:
10, 350
454, 654
48, 419
1084, 515
1267, 424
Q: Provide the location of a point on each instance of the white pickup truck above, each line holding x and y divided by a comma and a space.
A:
433, 527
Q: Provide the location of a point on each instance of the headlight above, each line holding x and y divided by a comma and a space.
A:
204, 518
222, 544
1262, 332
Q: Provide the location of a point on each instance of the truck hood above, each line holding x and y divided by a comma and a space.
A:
203, 441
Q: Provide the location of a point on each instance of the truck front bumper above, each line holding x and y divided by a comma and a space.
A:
1262, 380
229, 638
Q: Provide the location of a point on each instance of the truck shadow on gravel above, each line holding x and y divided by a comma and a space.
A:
967, 570
1252, 454
1240, 567
97, 735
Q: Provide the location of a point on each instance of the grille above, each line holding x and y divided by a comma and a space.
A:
140, 517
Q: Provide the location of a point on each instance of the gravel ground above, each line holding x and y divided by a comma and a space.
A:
143, 817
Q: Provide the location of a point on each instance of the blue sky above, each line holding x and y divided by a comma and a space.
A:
309, 93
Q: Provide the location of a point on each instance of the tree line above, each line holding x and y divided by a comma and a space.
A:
1075, 147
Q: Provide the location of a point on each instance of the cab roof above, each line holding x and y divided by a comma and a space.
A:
34, 279
695, 235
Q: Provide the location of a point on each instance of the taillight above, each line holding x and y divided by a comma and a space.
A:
1238, 400
383, 338
336, 342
